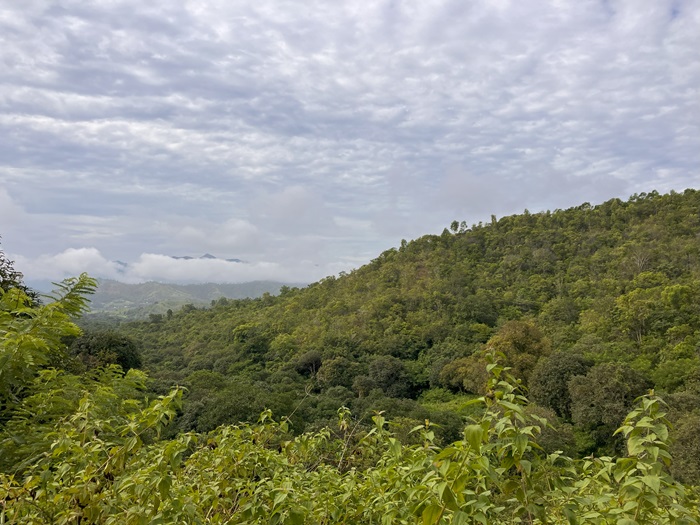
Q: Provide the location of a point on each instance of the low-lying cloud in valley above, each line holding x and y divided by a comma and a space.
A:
166, 268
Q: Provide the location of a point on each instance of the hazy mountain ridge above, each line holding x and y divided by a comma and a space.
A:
139, 300
207, 256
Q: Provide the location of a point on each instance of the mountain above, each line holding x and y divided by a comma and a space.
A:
590, 306
139, 300
205, 256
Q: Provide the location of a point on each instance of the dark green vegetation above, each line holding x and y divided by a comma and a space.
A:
139, 301
589, 307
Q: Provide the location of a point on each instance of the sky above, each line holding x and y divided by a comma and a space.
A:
305, 138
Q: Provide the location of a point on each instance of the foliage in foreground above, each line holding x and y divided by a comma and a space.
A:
104, 463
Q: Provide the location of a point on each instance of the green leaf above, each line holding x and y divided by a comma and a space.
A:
623, 467
296, 517
395, 445
432, 514
526, 466
571, 515
481, 518
521, 442
653, 482
448, 499
474, 435
279, 498
460, 518
164, 486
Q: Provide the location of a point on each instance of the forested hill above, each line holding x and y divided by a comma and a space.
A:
388, 394
569, 289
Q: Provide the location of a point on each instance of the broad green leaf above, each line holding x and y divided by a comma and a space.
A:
432, 514
653, 482
474, 435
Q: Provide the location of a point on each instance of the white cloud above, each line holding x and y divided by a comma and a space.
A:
159, 267
151, 266
69, 263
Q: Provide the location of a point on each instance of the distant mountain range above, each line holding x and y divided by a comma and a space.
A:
135, 301
205, 256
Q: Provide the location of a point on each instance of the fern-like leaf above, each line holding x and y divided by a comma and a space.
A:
70, 295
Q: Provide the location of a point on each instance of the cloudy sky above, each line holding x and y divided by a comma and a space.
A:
307, 137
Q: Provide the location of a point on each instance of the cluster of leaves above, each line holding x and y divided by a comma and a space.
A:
594, 295
32, 334
109, 466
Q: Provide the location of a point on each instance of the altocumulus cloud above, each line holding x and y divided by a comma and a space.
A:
306, 141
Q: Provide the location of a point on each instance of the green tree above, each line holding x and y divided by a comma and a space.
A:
549, 383
98, 349
466, 374
11, 278
523, 344
338, 371
308, 363
601, 399
637, 311
686, 450
390, 374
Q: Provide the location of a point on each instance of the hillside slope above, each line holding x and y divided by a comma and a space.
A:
615, 285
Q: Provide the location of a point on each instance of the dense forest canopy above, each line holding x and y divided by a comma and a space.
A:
414, 389
592, 292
